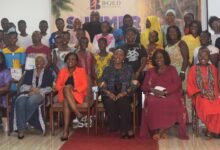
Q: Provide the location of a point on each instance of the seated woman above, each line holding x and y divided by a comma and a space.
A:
163, 107
5, 80
71, 84
202, 83
35, 85
116, 90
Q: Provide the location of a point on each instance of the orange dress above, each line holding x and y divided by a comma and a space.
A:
207, 111
80, 84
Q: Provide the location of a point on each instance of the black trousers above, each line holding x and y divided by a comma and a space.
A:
119, 113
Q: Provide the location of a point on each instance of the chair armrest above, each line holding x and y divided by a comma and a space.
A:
52, 95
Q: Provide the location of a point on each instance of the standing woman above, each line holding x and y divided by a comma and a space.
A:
192, 40
170, 17
72, 86
116, 90
152, 24
178, 51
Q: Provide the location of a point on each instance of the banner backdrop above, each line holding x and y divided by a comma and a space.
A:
114, 10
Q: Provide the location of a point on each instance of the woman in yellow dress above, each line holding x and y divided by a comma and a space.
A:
192, 40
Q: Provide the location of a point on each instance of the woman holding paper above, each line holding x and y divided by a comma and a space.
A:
35, 85
163, 107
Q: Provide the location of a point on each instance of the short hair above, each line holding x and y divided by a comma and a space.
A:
59, 19
110, 27
198, 23
12, 33
70, 54
103, 39
3, 64
43, 21
21, 21
211, 20
127, 16
120, 49
204, 49
165, 55
177, 30
206, 32
83, 38
132, 29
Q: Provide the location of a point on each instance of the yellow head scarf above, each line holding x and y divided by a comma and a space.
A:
155, 26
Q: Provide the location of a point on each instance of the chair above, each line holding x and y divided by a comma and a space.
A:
99, 108
195, 119
58, 108
9, 97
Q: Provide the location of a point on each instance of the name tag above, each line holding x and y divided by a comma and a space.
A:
16, 73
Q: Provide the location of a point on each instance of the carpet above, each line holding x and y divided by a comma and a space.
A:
79, 140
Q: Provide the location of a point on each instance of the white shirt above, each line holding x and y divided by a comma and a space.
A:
24, 41
212, 49
45, 40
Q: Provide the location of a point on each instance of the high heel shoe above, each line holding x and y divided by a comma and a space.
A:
64, 138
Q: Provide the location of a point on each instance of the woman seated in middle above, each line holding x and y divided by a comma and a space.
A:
163, 107
72, 86
116, 87
36, 83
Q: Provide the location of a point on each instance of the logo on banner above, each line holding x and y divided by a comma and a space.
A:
98, 4
95, 4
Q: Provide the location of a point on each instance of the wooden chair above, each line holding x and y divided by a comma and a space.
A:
58, 108
99, 108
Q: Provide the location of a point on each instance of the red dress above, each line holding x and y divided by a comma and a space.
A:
162, 113
207, 111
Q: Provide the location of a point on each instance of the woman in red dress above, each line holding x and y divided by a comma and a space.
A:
202, 83
163, 106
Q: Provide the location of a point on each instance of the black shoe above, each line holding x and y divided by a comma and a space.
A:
64, 138
124, 136
131, 136
20, 137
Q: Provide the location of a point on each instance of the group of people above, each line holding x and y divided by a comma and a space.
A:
165, 62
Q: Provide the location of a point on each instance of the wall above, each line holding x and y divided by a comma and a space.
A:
35, 10
32, 11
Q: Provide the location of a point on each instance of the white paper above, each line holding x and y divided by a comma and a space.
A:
16, 73
30, 63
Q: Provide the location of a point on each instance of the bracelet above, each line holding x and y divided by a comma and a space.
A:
183, 72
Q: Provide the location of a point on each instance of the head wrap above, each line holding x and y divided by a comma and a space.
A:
170, 11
